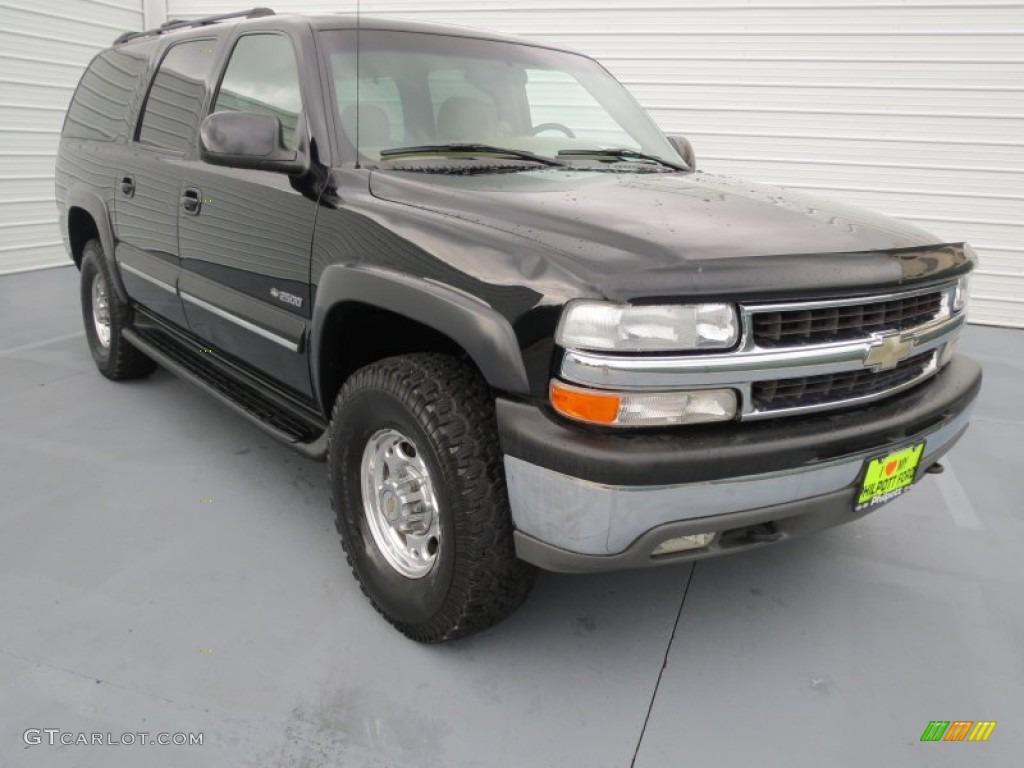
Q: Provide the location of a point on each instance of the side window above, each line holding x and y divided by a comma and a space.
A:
170, 118
99, 107
262, 77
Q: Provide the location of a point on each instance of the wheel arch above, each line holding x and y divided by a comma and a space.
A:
88, 218
363, 314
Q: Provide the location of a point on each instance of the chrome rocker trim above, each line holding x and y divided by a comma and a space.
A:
148, 278
289, 345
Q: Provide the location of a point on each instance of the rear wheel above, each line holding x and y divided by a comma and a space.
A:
418, 487
105, 317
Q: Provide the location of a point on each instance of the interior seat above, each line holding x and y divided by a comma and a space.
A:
461, 119
374, 125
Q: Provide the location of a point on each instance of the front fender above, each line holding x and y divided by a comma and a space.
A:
483, 333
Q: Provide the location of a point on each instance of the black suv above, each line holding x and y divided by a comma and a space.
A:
471, 273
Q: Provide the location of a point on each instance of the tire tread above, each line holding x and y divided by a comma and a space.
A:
456, 408
123, 362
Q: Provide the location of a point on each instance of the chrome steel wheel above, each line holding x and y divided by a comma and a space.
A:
101, 309
399, 503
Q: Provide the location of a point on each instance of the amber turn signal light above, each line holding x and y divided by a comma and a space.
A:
643, 409
584, 404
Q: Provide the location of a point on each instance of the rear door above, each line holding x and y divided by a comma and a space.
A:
147, 184
245, 248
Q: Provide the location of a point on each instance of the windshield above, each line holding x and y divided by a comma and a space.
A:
415, 90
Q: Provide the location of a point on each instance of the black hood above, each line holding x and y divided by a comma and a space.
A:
674, 233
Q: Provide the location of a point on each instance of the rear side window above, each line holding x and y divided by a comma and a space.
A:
170, 118
99, 108
262, 77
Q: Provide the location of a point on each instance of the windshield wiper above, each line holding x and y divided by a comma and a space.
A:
622, 153
468, 148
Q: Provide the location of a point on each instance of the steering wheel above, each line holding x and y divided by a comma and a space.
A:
553, 127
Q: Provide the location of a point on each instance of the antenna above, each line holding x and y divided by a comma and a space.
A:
359, 55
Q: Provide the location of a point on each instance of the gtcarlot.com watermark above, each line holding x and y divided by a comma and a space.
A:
56, 737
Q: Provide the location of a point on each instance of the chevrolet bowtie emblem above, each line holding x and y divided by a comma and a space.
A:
887, 351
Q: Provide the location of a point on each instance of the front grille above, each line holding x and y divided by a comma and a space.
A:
817, 325
806, 391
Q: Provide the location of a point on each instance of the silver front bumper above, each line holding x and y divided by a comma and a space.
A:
595, 520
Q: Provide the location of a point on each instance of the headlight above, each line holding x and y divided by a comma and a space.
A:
657, 327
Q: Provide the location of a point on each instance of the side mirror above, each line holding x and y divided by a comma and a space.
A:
248, 140
683, 146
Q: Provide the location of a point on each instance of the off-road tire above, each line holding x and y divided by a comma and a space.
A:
119, 360
445, 407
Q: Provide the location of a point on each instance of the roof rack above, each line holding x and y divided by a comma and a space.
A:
171, 26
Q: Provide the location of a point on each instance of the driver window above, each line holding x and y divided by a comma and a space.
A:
262, 77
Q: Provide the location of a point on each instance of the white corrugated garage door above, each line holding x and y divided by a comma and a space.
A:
911, 107
44, 46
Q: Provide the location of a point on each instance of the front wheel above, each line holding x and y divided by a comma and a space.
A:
418, 487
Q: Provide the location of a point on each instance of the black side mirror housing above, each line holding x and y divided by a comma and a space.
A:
682, 145
248, 140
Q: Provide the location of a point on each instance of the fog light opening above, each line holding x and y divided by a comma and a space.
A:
683, 543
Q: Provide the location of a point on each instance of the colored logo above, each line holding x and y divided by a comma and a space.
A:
958, 730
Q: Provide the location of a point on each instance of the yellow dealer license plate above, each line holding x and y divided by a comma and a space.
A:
887, 477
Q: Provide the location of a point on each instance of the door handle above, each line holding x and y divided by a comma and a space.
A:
191, 201
128, 186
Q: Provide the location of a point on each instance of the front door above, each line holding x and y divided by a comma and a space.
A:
245, 236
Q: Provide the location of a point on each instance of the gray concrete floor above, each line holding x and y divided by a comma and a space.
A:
166, 567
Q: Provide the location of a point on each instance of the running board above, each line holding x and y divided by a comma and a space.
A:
285, 421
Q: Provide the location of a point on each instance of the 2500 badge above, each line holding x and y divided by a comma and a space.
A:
287, 298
